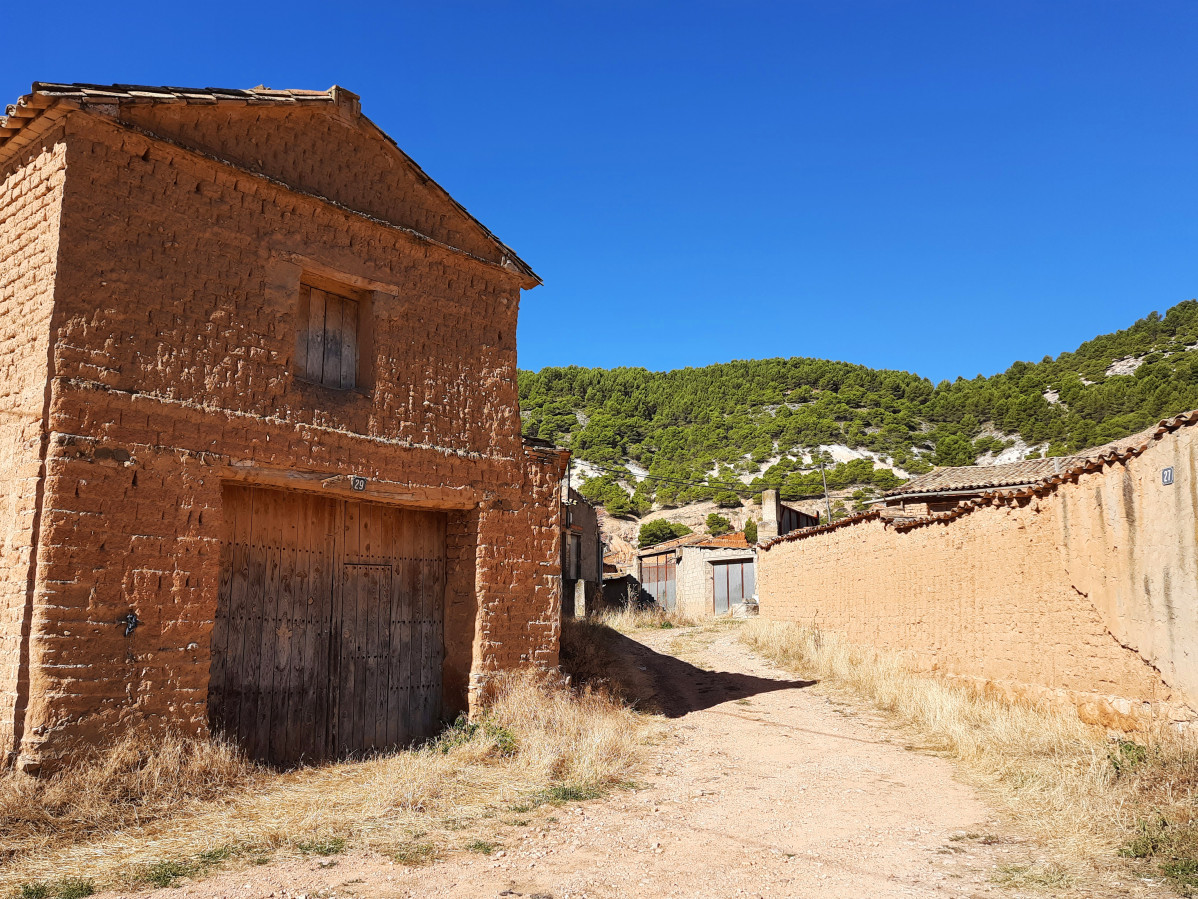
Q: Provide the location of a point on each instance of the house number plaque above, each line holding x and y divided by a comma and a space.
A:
1167, 476
358, 483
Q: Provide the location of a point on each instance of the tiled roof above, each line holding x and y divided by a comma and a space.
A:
964, 477
821, 529
1089, 460
45, 95
1013, 474
730, 541
724, 541
684, 540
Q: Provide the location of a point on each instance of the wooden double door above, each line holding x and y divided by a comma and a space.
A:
329, 625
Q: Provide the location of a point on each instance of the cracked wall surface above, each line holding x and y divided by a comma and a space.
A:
166, 370
1086, 593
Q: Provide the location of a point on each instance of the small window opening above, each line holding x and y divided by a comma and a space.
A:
327, 338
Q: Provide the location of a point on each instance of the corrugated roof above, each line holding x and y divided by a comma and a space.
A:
44, 95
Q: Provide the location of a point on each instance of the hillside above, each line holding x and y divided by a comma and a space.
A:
765, 422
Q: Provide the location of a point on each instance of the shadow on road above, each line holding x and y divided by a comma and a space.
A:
668, 685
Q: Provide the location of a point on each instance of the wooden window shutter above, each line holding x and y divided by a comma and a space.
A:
326, 342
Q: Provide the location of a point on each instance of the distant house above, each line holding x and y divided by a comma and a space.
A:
778, 518
943, 489
582, 557
699, 575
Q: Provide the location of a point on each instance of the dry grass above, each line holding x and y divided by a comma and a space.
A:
150, 811
632, 618
1078, 790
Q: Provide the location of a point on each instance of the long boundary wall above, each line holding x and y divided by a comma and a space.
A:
1083, 589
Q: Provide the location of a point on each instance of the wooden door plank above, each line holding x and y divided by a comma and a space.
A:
395, 700
424, 551
271, 532
292, 740
439, 584
232, 498
410, 643
303, 742
381, 615
242, 575
316, 335
418, 686
332, 340
320, 645
349, 344
349, 697
337, 634
370, 582
284, 707
361, 660
382, 631
251, 631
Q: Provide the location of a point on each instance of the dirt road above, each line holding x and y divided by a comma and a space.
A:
763, 787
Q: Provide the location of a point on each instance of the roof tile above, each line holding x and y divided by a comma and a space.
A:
45, 93
1012, 474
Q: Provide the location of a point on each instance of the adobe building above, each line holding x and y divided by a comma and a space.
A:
1074, 583
700, 576
260, 454
779, 518
582, 557
944, 489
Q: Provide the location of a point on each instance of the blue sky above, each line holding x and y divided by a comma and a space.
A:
938, 187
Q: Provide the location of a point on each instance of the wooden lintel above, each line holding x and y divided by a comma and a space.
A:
336, 484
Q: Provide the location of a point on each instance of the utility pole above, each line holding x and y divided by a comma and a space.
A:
824, 478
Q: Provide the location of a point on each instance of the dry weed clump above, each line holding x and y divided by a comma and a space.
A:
141, 778
1083, 792
632, 617
537, 742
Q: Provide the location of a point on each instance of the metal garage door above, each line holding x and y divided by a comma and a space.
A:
659, 578
328, 633
734, 583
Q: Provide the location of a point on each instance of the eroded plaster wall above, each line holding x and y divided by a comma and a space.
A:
174, 337
1085, 591
30, 205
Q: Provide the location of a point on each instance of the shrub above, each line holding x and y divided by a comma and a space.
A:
717, 524
659, 531
751, 531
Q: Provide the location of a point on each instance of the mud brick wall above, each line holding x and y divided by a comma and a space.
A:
173, 343
1084, 594
30, 202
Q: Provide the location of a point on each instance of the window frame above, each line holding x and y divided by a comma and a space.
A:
336, 302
